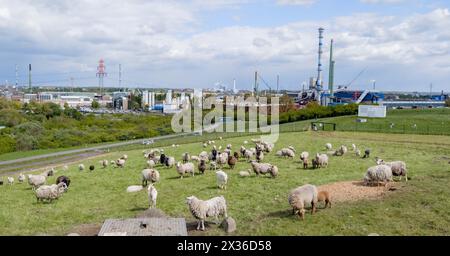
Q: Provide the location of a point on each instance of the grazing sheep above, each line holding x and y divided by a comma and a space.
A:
358, 153
185, 168
378, 174
229, 146
151, 164
324, 196
91, 168
343, 150
222, 179
214, 154
200, 209
186, 157
304, 155
63, 179
48, 173
105, 163
124, 157
10, 180
292, 148
287, 152
170, 162
120, 163
248, 154
264, 168
36, 180
236, 155
51, 192
152, 195
245, 173
202, 166
222, 159
328, 146
204, 156
398, 168
81, 167
195, 159
162, 159
366, 153
322, 160
21, 178
151, 175
279, 153
300, 197
232, 161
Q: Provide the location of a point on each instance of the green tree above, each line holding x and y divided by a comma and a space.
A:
95, 104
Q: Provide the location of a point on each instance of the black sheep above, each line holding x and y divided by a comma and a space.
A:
91, 167
214, 155
367, 153
64, 179
162, 159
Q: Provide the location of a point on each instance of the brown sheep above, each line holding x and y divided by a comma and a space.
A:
236, 155
315, 163
232, 161
324, 196
202, 166
305, 163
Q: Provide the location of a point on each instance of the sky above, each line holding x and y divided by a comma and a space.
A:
403, 45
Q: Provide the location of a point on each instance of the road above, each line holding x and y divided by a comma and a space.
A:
97, 148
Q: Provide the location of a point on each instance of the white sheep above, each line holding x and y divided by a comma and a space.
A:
358, 153
328, 146
36, 180
152, 195
222, 159
195, 159
51, 192
248, 154
200, 209
105, 163
292, 148
322, 160
222, 179
204, 156
398, 168
298, 198
151, 175
10, 180
81, 167
120, 163
186, 157
264, 168
287, 152
378, 174
21, 178
124, 157
170, 162
185, 168
343, 150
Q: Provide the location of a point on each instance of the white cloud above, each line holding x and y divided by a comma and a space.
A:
296, 2
382, 1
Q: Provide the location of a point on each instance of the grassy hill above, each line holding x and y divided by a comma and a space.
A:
259, 204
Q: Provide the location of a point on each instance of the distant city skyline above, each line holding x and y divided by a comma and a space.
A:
405, 45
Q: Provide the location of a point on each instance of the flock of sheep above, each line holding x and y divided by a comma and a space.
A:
215, 160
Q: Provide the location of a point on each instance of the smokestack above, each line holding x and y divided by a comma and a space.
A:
331, 70
30, 88
319, 68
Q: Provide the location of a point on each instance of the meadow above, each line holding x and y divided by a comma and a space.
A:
259, 204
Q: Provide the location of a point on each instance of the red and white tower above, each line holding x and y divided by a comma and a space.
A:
101, 74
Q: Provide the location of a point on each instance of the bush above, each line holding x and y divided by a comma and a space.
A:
313, 110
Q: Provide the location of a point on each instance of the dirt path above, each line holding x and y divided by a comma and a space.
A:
354, 191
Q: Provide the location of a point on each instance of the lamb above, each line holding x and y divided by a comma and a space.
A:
328, 146
378, 174
358, 153
202, 166
151, 164
151, 175
322, 160
10, 180
366, 153
36, 180
232, 161
200, 209
81, 167
170, 162
185, 168
21, 178
50, 193
305, 163
398, 168
324, 196
120, 163
152, 195
63, 179
245, 173
301, 196
222, 159
222, 179
105, 163
186, 157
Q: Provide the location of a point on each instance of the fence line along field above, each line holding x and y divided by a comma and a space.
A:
258, 204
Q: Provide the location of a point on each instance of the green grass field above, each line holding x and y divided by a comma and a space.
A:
259, 205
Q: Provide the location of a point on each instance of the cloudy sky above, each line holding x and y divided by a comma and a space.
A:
402, 44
